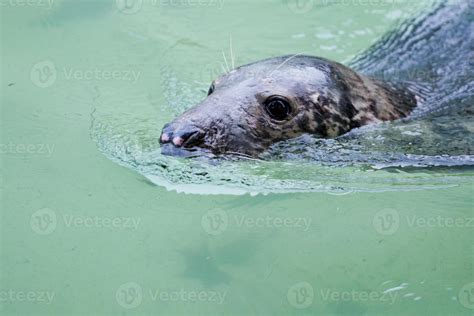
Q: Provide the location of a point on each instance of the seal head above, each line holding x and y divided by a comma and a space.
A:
257, 105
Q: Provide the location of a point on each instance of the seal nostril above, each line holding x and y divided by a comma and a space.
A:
178, 141
165, 138
182, 136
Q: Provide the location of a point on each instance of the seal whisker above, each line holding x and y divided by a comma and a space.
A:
314, 97
225, 59
284, 62
232, 53
318, 97
243, 156
223, 68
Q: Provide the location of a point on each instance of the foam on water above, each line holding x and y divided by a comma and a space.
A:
431, 149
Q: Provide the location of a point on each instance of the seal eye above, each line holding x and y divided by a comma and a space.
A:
211, 89
278, 108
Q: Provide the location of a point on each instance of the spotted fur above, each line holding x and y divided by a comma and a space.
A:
327, 98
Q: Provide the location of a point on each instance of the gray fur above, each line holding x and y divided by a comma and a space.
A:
328, 100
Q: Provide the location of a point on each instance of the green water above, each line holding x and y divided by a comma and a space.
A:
82, 235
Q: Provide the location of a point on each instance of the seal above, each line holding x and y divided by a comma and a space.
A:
256, 105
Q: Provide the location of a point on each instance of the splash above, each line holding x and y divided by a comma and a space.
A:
430, 150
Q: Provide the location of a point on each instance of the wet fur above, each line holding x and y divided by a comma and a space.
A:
430, 54
338, 100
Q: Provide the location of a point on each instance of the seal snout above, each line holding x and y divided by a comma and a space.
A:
185, 136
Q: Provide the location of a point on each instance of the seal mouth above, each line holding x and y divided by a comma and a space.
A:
171, 150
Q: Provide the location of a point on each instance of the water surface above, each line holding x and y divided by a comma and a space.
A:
87, 84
